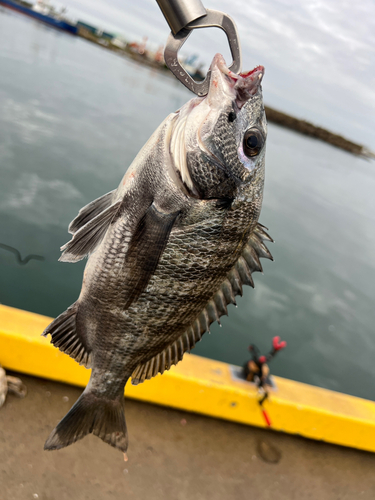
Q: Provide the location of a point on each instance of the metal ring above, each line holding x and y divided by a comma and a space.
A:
174, 43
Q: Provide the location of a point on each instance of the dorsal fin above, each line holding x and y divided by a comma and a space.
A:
216, 307
171, 355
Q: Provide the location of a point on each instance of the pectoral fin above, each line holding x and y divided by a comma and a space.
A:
145, 249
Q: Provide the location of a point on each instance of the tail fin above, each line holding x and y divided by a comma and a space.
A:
102, 417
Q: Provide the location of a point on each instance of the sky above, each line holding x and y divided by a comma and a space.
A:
319, 55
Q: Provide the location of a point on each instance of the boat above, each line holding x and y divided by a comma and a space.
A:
42, 11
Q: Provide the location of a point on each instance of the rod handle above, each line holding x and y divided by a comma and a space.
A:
179, 13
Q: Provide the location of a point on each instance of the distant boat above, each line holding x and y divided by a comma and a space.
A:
43, 12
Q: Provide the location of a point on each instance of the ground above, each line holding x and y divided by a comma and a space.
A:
173, 455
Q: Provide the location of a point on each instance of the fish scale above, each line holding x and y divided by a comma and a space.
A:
168, 250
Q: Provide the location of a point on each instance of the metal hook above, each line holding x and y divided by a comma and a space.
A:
213, 18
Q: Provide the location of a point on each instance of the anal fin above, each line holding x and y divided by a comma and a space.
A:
66, 338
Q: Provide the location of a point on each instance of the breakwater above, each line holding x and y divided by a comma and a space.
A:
306, 128
283, 119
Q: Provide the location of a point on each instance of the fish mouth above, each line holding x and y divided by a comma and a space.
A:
254, 77
242, 85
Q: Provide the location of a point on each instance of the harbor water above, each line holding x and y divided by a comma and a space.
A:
72, 118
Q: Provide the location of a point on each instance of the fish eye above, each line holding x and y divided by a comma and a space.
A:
253, 142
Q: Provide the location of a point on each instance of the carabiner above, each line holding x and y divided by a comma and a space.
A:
213, 18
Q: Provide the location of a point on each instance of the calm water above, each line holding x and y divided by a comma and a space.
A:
72, 118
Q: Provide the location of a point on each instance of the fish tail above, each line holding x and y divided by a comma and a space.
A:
91, 414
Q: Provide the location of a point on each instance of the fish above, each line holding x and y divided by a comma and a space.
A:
9, 384
3, 386
168, 250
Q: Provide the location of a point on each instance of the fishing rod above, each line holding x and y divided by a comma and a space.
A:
183, 16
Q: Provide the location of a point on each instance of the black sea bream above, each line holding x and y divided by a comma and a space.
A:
169, 249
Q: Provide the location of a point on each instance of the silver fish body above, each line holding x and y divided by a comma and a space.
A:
168, 250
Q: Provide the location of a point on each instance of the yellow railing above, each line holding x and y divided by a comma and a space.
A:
201, 385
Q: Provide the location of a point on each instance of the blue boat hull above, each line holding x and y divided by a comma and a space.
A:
56, 23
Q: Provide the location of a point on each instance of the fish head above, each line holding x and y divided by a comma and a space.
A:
218, 142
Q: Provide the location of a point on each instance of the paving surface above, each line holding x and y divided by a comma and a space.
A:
173, 455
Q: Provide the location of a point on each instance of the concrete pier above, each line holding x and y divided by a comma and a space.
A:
173, 455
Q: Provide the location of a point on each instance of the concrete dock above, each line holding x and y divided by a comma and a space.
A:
173, 455
201, 385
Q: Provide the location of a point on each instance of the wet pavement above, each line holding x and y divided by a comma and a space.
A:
173, 455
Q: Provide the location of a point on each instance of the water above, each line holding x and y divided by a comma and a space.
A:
72, 118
